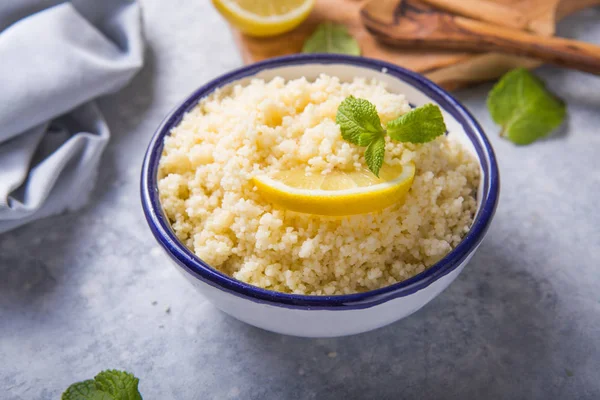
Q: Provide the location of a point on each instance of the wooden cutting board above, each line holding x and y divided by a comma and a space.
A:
449, 69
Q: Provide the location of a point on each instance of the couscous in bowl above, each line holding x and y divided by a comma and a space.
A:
323, 315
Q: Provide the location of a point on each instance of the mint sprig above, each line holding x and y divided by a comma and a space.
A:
107, 385
524, 108
360, 125
420, 125
374, 154
358, 121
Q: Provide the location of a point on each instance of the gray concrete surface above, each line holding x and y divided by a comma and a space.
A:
90, 290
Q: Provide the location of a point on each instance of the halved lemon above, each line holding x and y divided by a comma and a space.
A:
264, 17
338, 193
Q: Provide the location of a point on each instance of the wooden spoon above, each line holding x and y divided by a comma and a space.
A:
417, 25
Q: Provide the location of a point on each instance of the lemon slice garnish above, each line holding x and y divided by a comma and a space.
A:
338, 193
264, 17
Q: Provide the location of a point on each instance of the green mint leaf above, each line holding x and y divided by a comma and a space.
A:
331, 38
420, 125
121, 385
374, 155
107, 385
85, 390
358, 121
525, 109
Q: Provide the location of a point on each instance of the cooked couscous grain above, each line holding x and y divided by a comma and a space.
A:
207, 193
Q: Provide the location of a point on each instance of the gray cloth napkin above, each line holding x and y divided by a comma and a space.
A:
55, 58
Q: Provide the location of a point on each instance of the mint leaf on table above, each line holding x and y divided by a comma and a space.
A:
525, 109
85, 390
121, 385
420, 125
360, 125
107, 385
331, 38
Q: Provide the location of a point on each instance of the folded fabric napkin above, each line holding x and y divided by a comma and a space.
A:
55, 58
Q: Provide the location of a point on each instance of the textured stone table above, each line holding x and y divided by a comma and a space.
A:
91, 290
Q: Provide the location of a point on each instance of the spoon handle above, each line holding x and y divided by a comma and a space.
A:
421, 27
484, 10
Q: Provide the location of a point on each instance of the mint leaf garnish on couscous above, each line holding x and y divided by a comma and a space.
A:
358, 121
360, 125
524, 108
374, 155
420, 125
107, 385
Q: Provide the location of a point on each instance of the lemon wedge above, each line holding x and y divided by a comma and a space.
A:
338, 193
264, 17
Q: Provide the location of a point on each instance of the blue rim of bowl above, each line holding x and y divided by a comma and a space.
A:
184, 257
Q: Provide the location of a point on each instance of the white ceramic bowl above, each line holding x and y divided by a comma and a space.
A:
327, 316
